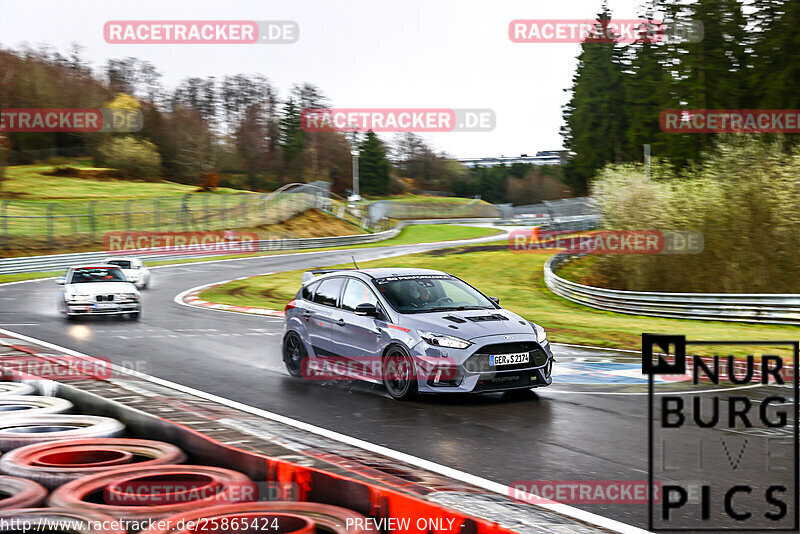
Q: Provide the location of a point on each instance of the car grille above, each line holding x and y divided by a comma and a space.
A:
479, 362
106, 298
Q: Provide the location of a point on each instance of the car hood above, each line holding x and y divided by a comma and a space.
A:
470, 324
101, 288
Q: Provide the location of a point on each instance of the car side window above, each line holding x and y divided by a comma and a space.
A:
357, 292
308, 291
328, 292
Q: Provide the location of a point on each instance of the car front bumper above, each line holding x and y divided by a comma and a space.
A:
443, 370
118, 308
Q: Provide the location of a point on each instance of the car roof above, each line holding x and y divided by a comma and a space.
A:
95, 266
382, 272
124, 258
385, 272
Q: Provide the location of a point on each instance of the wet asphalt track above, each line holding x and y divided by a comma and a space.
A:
554, 434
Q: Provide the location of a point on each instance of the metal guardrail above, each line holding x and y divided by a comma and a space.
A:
739, 307
58, 262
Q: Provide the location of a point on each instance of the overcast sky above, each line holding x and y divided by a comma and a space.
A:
361, 53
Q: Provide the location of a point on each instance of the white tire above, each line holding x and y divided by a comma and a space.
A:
25, 405
18, 431
16, 388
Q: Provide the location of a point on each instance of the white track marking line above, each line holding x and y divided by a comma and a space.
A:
455, 474
645, 393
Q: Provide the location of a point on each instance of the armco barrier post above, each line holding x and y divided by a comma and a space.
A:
50, 208
223, 213
4, 217
92, 219
128, 215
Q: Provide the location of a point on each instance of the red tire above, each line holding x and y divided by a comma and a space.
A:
17, 431
80, 522
154, 492
326, 518
22, 493
57, 462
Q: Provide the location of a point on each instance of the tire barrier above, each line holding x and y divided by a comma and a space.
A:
136, 493
324, 517
100, 479
71, 521
58, 462
32, 405
16, 388
21, 493
17, 431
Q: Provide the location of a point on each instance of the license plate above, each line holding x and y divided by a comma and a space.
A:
105, 306
509, 359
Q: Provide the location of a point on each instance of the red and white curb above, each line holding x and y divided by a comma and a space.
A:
190, 298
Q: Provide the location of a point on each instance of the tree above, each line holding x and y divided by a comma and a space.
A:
291, 138
595, 122
373, 166
648, 93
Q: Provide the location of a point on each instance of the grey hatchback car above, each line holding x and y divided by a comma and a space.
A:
414, 330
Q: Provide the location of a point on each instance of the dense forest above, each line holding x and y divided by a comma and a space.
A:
747, 57
238, 127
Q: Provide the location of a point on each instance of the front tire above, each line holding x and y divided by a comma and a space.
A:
399, 375
135, 315
294, 354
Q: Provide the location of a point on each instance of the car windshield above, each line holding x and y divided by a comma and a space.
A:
430, 293
123, 264
97, 274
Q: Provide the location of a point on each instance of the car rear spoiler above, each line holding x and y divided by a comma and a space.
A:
309, 275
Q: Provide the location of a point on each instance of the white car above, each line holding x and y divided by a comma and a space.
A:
98, 289
133, 268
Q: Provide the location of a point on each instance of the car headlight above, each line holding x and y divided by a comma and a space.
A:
132, 296
541, 335
442, 340
79, 298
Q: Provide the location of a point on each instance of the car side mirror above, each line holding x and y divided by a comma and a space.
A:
367, 310
495, 300
61, 280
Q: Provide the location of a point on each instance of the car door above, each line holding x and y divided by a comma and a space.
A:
319, 315
356, 337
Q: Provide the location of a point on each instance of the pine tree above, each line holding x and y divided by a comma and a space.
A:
648, 94
595, 115
291, 138
373, 166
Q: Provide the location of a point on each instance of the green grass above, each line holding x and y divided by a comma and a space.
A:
409, 235
39, 205
518, 281
26, 182
5, 278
